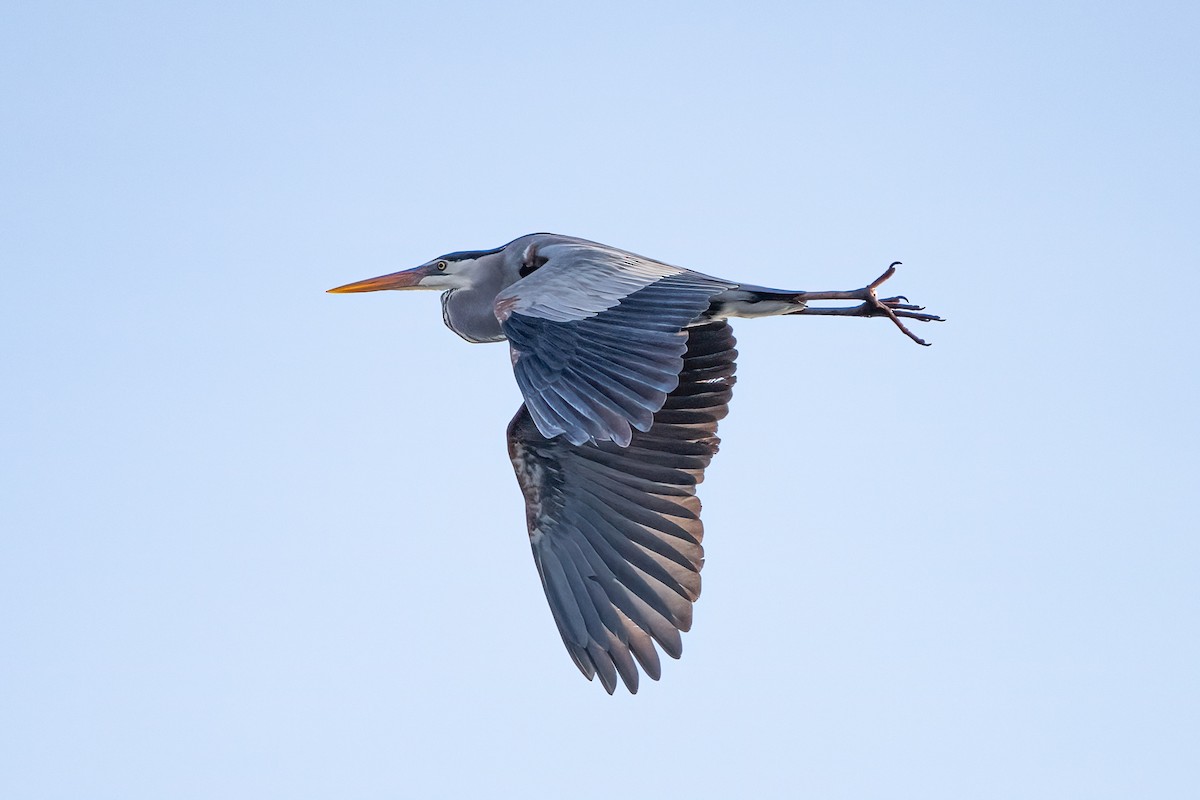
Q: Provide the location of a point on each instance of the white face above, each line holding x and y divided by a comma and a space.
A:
445, 274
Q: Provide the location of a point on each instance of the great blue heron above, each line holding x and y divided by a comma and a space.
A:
626, 364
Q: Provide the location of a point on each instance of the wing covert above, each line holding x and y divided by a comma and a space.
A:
616, 531
597, 338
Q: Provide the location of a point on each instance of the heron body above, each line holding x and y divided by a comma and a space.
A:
625, 365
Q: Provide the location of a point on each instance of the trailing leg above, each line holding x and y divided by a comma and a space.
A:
894, 308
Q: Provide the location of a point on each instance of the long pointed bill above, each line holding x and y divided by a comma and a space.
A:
408, 279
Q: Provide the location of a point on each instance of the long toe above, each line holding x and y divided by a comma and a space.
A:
895, 304
901, 311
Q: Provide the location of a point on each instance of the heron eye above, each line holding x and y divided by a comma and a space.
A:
442, 265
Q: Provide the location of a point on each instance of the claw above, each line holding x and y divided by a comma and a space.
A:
887, 309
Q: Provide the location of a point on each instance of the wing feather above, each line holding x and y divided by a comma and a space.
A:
616, 531
603, 332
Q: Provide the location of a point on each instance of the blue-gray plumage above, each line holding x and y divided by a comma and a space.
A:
625, 364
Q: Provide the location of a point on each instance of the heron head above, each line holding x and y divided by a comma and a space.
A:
458, 270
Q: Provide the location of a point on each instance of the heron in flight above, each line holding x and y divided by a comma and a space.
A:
625, 365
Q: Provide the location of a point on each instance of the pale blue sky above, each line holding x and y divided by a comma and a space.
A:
258, 541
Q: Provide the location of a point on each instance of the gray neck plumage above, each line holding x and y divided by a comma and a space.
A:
468, 311
470, 316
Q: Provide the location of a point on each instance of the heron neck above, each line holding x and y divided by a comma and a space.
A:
468, 312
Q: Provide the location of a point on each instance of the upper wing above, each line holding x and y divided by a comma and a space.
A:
596, 337
616, 531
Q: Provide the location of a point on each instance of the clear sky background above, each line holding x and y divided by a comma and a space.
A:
257, 541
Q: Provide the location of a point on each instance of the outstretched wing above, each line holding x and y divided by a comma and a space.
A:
616, 531
596, 337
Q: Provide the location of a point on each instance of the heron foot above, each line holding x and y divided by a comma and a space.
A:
894, 308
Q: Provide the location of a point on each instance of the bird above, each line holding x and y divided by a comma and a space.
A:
625, 365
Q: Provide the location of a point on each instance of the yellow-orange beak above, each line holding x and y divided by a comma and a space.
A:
408, 279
